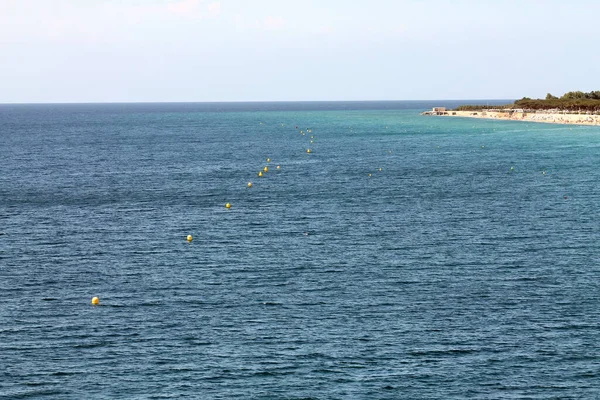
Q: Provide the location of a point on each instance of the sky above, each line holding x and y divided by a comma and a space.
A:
56, 51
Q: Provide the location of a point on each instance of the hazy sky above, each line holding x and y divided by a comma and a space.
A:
263, 50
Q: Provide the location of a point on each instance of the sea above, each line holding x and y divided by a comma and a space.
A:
382, 254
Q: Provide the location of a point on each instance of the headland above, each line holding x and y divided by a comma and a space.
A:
577, 108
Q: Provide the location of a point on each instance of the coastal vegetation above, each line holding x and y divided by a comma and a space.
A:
571, 102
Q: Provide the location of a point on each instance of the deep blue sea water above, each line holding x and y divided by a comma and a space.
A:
405, 257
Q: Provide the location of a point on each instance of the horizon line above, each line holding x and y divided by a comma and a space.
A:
243, 101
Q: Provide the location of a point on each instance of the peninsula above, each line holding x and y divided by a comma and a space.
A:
578, 108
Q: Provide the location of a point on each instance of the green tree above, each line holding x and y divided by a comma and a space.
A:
574, 95
594, 95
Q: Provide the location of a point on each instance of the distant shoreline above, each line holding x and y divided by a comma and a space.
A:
565, 118
572, 108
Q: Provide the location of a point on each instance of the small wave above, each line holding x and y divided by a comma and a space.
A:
65, 373
328, 371
308, 304
50, 393
198, 342
526, 278
448, 352
321, 356
273, 373
90, 345
135, 210
35, 383
303, 398
589, 374
146, 304
272, 303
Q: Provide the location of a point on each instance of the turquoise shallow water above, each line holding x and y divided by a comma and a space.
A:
468, 267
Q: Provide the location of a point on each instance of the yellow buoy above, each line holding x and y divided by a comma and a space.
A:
227, 205
259, 173
268, 160
249, 184
369, 174
95, 301
190, 238
279, 167
266, 169
308, 150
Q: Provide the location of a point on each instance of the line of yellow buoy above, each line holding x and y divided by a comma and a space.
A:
312, 141
265, 169
189, 238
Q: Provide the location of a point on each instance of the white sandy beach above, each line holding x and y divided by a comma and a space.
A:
547, 117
